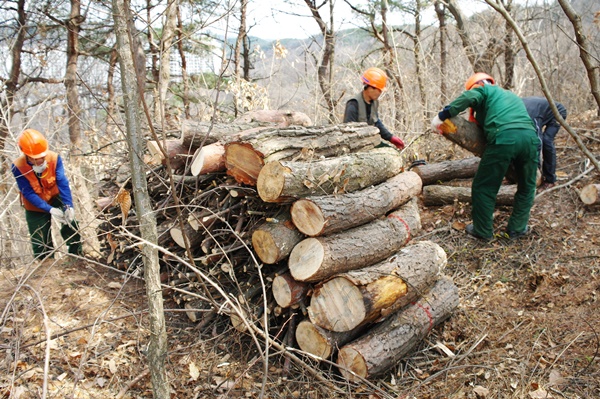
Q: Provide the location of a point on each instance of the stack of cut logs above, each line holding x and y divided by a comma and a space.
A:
339, 229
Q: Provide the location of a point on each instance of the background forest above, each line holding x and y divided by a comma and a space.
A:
198, 60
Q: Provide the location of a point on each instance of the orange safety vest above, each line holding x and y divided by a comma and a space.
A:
44, 186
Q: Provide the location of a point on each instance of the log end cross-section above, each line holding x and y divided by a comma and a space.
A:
306, 259
243, 162
308, 217
337, 306
313, 339
271, 181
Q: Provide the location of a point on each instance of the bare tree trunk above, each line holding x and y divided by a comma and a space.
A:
185, 97
440, 10
110, 90
238, 106
509, 52
157, 350
325, 68
592, 69
11, 85
164, 75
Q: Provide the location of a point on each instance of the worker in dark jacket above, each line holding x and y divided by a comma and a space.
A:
510, 138
45, 194
547, 126
363, 107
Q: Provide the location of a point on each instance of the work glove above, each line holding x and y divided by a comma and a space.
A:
58, 215
397, 141
436, 123
69, 215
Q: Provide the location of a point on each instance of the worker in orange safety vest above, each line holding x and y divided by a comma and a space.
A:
45, 194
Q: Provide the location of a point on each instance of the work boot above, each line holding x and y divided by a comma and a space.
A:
470, 230
515, 235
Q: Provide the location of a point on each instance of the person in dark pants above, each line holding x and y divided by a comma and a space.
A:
510, 138
547, 126
363, 107
45, 194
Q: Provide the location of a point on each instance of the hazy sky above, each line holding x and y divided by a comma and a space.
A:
274, 19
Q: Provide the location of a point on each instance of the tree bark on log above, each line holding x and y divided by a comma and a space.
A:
387, 343
274, 242
320, 342
370, 294
285, 181
197, 134
287, 291
245, 157
448, 170
436, 195
281, 118
324, 215
467, 135
589, 194
317, 258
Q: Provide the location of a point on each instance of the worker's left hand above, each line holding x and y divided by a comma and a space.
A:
69, 215
397, 141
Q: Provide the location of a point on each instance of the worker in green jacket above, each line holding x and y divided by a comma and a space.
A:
510, 138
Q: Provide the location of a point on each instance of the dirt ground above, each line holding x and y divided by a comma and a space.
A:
527, 325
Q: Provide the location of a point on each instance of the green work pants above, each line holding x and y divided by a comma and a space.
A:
39, 224
522, 152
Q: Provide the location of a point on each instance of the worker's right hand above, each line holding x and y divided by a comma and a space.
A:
436, 123
58, 215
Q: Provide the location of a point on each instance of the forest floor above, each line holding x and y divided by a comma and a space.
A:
527, 325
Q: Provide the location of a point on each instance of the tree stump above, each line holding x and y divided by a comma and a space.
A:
246, 156
448, 170
286, 181
324, 215
363, 296
436, 195
317, 258
589, 194
384, 346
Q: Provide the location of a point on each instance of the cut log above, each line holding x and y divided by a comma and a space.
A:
436, 195
448, 170
176, 151
324, 215
197, 134
317, 258
286, 181
589, 194
467, 135
320, 342
245, 157
281, 118
287, 291
370, 294
194, 237
384, 346
274, 241
208, 159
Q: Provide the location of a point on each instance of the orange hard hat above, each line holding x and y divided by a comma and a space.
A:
476, 78
33, 143
374, 77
